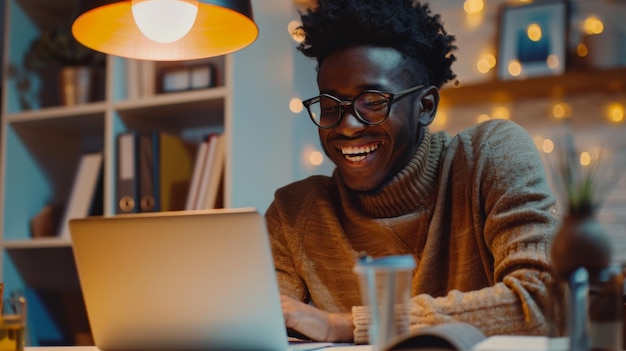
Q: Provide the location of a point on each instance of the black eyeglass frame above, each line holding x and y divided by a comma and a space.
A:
391, 97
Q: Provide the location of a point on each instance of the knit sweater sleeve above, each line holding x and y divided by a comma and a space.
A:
513, 217
285, 218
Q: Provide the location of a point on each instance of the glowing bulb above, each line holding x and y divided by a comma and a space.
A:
164, 21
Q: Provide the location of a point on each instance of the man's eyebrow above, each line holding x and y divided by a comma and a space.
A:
361, 88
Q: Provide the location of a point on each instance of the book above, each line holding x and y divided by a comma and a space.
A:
211, 173
192, 194
166, 164
126, 174
215, 171
86, 180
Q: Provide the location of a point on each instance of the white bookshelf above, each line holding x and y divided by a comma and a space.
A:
41, 145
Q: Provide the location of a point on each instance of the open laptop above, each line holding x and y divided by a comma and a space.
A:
180, 280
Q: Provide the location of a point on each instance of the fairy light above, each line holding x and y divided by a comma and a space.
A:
295, 105
482, 118
515, 68
593, 25
553, 61
486, 63
547, 146
297, 34
473, 6
534, 32
501, 112
316, 158
615, 112
582, 50
585, 158
561, 110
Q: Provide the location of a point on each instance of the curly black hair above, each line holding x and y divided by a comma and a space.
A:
405, 25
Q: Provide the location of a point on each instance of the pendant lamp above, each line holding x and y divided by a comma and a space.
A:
167, 30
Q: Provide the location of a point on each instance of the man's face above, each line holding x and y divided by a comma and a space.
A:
367, 156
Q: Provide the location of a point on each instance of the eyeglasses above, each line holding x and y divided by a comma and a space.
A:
370, 107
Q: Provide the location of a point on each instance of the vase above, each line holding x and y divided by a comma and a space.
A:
76, 85
583, 285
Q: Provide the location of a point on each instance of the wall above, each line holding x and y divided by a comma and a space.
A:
588, 121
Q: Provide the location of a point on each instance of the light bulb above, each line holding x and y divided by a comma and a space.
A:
164, 21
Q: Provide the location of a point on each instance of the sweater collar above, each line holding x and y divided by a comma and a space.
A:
410, 189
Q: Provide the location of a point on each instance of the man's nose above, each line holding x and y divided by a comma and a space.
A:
349, 123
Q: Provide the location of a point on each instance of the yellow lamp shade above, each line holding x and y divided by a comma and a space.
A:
221, 27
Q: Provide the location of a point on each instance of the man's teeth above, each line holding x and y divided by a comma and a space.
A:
358, 153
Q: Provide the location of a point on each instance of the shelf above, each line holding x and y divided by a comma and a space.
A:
606, 81
35, 116
39, 243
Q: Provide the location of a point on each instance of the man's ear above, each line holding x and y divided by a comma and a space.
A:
429, 102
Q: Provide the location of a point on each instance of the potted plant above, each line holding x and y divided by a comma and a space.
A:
58, 47
581, 240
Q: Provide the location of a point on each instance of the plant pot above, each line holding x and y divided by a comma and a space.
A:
581, 242
76, 85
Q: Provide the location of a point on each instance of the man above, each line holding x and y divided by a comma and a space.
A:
475, 210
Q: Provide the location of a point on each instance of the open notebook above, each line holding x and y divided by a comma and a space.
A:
179, 280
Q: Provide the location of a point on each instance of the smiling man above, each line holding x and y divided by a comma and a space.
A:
474, 210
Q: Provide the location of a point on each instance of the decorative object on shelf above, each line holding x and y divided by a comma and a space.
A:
581, 251
190, 77
607, 49
45, 223
135, 28
57, 46
532, 40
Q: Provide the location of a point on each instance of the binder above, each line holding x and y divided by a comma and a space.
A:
147, 150
166, 167
126, 174
84, 189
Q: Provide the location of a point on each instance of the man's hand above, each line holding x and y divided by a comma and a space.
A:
315, 323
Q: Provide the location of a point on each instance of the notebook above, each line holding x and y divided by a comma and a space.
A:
180, 280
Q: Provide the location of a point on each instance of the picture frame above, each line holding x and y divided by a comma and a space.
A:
532, 40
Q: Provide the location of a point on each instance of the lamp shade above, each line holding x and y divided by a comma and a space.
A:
221, 27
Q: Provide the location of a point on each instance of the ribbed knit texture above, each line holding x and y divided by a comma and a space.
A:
475, 211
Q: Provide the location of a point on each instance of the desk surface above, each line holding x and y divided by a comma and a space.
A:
494, 343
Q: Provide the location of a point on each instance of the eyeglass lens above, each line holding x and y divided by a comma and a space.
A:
372, 108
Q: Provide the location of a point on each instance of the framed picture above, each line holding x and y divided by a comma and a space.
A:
532, 40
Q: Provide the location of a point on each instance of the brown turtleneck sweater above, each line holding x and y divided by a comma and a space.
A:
475, 211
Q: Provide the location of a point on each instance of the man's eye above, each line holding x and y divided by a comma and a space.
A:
330, 109
373, 104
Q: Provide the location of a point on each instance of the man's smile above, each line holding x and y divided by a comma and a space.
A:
358, 153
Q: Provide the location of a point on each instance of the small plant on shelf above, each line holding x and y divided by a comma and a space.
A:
60, 47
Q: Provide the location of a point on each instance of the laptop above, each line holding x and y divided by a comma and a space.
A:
181, 280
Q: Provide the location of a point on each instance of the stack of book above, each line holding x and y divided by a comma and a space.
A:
157, 171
